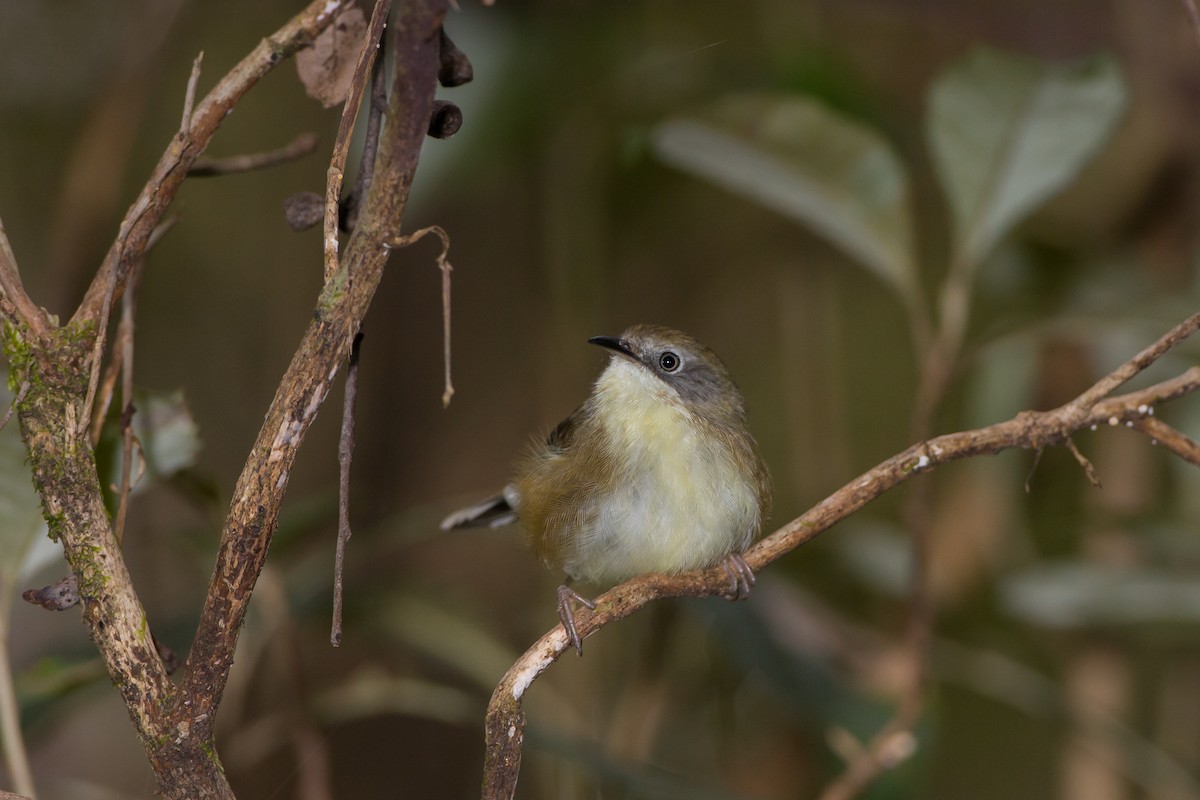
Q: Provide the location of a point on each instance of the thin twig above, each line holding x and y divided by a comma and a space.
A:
341, 145
444, 265
181, 152
97, 357
299, 147
13, 405
125, 344
22, 308
1030, 430
16, 758
96, 169
1104, 386
937, 368
189, 97
366, 164
1160, 432
1088, 468
345, 454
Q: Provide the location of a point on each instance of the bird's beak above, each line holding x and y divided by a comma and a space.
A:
617, 345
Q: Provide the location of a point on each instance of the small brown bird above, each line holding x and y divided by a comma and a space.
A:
655, 472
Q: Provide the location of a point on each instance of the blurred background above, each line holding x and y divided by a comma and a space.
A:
1066, 655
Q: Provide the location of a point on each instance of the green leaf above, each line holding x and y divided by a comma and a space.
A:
168, 433
801, 159
1008, 132
1073, 595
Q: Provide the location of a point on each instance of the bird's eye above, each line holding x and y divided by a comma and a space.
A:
668, 361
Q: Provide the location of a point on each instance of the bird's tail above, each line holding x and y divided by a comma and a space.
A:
494, 512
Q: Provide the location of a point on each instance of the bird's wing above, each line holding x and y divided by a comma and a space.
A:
564, 432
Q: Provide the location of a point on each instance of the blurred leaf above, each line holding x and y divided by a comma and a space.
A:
1008, 132
455, 639
878, 553
799, 158
1078, 595
21, 520
785, 638
169, 436
48, 686
1004, 380
639, 780
370, 692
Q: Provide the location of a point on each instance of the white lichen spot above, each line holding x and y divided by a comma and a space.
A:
512, 731
534, 669
281, 439
1094, 427
282, 480
330, 7
1113, 421
898, 749
1128, 423
922, 462
331, 244
315, 401
1143, 408
1150, 411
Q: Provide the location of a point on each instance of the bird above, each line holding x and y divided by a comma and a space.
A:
656, 472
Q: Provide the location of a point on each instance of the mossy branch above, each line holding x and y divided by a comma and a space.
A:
58, 363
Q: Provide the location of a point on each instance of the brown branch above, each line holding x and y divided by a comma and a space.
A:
1161, 433
18, 308
366, 166
1088, 468
60, 364
504, 727
345, 454
145, 213
299, 147
124, 343
189, 96
253, 514
341, 145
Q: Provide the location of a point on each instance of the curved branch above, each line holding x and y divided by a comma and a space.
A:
17, 306
1032, 430
1161, 433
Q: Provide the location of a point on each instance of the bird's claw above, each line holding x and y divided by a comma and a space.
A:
741, 577
566, 596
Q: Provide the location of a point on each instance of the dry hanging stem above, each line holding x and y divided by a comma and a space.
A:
345, 454
444, 265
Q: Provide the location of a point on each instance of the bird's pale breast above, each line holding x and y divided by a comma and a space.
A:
675, 497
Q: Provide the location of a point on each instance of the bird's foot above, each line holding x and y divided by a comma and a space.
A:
566, 596
741, 577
